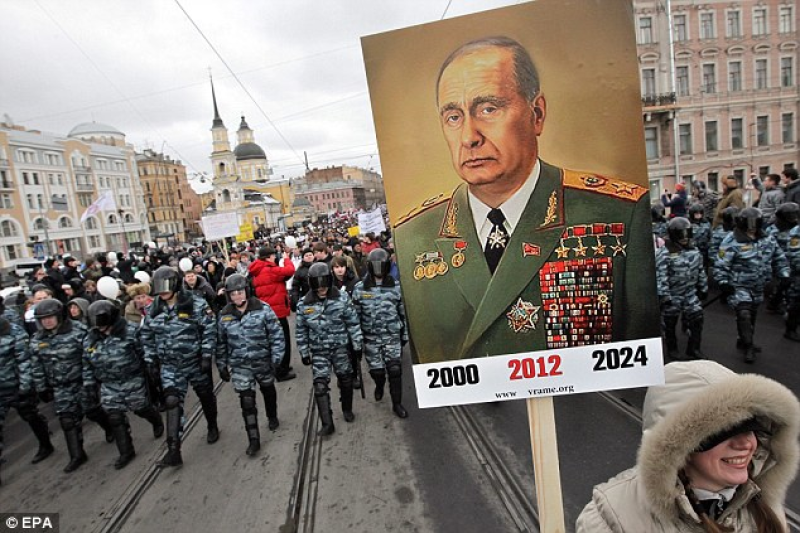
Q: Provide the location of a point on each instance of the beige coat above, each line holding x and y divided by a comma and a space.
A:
701, 399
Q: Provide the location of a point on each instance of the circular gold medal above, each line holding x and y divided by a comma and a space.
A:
457, 260
430, 270
419, 272
441, 268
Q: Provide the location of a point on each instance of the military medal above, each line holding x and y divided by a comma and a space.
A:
441, 268
419, 272
523, 316
529, 249
497, 239
430, 270
458, 258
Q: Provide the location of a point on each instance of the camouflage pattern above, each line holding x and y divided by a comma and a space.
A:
747, 264
251, 344
717, 236
177, 338
323, 330
793, 257
383, 322
782, 237
681, 278
116, 361
16, 366
660, 229
59, 354
13, 316
701, 235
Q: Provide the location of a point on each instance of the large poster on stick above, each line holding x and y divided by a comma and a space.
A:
513, 155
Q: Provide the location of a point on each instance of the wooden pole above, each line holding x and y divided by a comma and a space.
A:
224, 247
544, 446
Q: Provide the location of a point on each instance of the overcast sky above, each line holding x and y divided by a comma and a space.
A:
142, 67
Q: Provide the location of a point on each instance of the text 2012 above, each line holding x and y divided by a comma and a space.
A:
535, 367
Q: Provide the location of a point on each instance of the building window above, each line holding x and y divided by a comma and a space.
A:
709, 78
787, 128
760, 21
679, 25
6, 201
786, 19
8, 229
11, 252
707, 26
733, 26
787, 72
735, 76
94, 241
645, 30
762, 130
713, 181
682, 80
31, 201
651, 142
686, 139
91, 223
761, 73
649, 82
64, 222
737, 133
711, 136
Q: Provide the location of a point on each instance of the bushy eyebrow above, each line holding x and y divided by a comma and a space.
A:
478, 101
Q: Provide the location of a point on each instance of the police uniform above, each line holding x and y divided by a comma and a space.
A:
17, 386
793, 293
563, 279
718, 235
701, 236
252, 345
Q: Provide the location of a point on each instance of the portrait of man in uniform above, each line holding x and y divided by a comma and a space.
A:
522, 255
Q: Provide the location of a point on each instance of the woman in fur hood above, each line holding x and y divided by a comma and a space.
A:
718, 453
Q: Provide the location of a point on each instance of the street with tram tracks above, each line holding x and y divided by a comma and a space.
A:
457, 469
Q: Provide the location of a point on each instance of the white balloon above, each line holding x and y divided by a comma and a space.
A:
112, 257
290, 242
108, 287
152, 245
142, 276
186, 264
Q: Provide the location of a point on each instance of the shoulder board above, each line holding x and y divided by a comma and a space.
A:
424, 206
617, 188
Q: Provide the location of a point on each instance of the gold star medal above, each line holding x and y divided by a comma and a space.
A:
523, 316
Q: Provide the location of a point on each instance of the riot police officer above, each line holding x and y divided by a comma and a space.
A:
746, 258
701, 230
383, 324
250, 342
686, 284
793, 293
113, 356
720, 232
17, 387
657, 214
786, 217
326, 322
58, 347
179, 332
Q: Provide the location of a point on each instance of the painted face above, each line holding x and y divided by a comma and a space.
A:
489, 126
724, 465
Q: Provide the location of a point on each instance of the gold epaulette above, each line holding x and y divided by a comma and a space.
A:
603, 185
424, 206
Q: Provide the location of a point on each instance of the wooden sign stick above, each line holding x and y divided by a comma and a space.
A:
542, 421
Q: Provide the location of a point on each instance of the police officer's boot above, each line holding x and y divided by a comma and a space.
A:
151, 414
271, 406
122, 436
209, 403
670, 323
792, 321
346, 397
99, 416
73, 434
695, 338
38, 424
247, 400
174, 414
395, 372
354, 362
379, 377
745, 326
323, 400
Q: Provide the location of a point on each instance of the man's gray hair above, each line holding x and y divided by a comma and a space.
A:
525, 73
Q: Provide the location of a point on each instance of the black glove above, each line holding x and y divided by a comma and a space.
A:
306, 359
702, 295
205, 365
784, 283
224, 374
727, 289
47, 395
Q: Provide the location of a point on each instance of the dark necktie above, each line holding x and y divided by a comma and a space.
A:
498, 238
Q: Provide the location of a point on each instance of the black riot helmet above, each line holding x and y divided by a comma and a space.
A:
729, 218
787, 215
103, 313
749, 219
49, 307
319, 276
657, 213
378, 263
165, 279
679, 230
695, 209
237, 282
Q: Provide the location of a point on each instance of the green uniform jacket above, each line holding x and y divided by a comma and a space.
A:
578, 269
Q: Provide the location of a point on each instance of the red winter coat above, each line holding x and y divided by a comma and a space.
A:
269, 281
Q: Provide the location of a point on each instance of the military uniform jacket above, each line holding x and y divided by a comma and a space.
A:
381, 311
578, 269
749, 264
701, 235
781, 237
251, 340
60, 354
683, 275
177, 337
793, 257
717, 236
113, 358
326, 325
16, 366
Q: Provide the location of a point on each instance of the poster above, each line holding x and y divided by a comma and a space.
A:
532, 111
